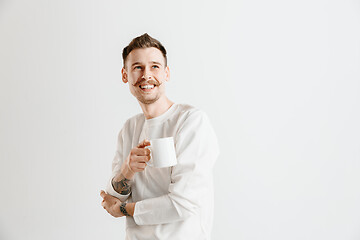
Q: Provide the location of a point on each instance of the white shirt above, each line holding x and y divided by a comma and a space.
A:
174, 202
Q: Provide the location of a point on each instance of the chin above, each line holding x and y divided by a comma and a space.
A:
148, 101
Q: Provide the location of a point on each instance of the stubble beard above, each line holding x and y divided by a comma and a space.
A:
148, 101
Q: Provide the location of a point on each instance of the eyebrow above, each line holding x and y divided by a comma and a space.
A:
139, 63
154, 62
135, 63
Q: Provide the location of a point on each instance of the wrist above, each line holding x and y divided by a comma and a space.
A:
130, 208
127, 172
127, 209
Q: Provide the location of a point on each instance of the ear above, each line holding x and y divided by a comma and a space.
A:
124, 75
167, 74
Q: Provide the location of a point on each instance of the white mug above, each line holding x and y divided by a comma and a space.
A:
162, 153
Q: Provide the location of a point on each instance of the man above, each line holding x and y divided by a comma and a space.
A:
161, 203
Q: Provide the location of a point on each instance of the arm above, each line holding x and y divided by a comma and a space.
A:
121, 184
191, 178
123, 170
113, 188
119, 188
115, 207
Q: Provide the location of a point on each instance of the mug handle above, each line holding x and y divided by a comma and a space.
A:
151, 164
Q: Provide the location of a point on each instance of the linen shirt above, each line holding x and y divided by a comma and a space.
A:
173, 202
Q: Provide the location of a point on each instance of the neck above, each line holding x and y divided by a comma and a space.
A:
157, 108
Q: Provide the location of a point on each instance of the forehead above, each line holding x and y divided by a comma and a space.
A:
145, 55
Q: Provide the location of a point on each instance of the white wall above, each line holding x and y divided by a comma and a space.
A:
280, 81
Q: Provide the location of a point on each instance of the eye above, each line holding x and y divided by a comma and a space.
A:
155, 66
137, 67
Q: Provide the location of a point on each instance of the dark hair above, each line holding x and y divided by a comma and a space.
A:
143, 41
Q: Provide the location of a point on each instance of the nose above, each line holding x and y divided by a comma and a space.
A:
146, 74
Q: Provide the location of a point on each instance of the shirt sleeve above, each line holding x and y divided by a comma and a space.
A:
191, 179
116, 165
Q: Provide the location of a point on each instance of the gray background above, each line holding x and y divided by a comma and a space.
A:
278, 79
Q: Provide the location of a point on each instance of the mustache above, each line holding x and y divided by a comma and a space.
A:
150, 82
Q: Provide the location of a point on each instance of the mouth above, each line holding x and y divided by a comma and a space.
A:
146, 86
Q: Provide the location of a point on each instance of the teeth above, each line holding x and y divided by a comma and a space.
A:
147, 86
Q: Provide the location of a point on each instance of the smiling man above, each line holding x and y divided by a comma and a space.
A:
161, 203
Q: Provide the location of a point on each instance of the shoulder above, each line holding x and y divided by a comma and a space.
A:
195, 130
191, 117
189, 111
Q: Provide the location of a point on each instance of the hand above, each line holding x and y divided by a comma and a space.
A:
111, 204
136, 161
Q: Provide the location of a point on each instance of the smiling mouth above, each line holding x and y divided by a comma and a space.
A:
147, 86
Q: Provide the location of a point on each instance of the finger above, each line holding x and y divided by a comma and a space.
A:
140, 151
102, 193
139, 159
140, 167
144, 144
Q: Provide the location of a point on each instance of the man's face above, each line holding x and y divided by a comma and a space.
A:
145, 71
